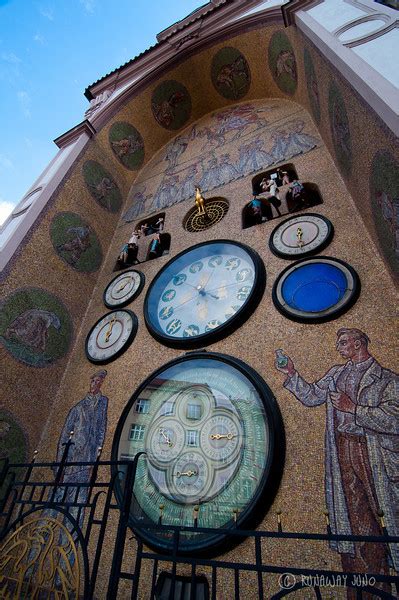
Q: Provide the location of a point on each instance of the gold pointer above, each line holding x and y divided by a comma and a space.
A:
299, 235
221, 436
188, 473
162, 432
109, 330
123, 286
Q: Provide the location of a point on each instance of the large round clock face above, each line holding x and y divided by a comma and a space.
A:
204, 293
110, 336
301, 236
123, 288
316, 289
210, 429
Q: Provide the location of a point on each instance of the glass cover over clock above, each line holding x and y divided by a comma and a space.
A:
301, 236
124, 288
204, 293
211, 431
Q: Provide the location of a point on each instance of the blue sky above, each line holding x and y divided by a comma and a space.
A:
50, 51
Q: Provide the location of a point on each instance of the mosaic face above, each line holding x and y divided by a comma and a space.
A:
76, 242
311, 82
282, 63
384, 191
35, 327
171, 104
230, 73
127, 145
102, 186
340, 131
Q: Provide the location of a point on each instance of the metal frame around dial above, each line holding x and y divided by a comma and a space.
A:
229, 326
269, 482
133, 297
319, 248
126, 345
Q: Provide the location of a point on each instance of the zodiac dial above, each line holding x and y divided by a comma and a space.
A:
208, 426
204, 293
123, 288
301, 236
110, 336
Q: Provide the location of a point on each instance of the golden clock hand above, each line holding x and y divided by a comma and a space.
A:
182, 303
221, 436
109, 330
224, 286
123, 286
299, 235
188, 473
162, 432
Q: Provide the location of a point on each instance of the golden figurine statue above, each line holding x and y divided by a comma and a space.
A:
199, 201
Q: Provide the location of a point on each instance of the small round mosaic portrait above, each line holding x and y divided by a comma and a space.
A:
76, 242
171, 104
102, 186
311, 83
35, 327
282, 63
230, 73
340, 132
384, 191
127, 145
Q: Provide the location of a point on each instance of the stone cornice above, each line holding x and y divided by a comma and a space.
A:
75, 132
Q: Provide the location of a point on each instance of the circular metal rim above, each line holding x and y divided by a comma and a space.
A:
328, 314
321, 246
229, 326
272, 474
207, 202
133, 297
125, 346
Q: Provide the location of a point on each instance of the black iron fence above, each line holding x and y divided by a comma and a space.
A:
67, 537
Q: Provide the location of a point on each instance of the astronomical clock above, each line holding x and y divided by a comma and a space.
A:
213, 441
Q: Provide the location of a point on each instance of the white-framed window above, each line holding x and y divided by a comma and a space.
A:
192, 438
194, 411
142, 406
167, 408
136, 433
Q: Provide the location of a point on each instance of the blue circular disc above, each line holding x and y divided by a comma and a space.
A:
316, 289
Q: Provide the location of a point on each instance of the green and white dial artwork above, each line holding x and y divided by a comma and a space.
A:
204, 293
209, 428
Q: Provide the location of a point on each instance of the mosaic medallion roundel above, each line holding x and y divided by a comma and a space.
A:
311, 82
171, 104
76, 242
102, 186
230, 73
384, 192
35, 327
282, 63
340, 132
127, 145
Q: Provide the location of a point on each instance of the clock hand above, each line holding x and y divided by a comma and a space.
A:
123, 286
182, 303
188, 473
213, 296
162, 432
225, 286
221, 436
109, 330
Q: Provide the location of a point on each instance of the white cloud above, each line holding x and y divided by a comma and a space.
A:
10, 57
88, 5
24, 102
5, 162
5, 209
39, 39
47, 12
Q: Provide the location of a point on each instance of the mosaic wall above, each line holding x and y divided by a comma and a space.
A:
282, 63
232, 144
102, 186
76, 242
311, 82
340, 131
